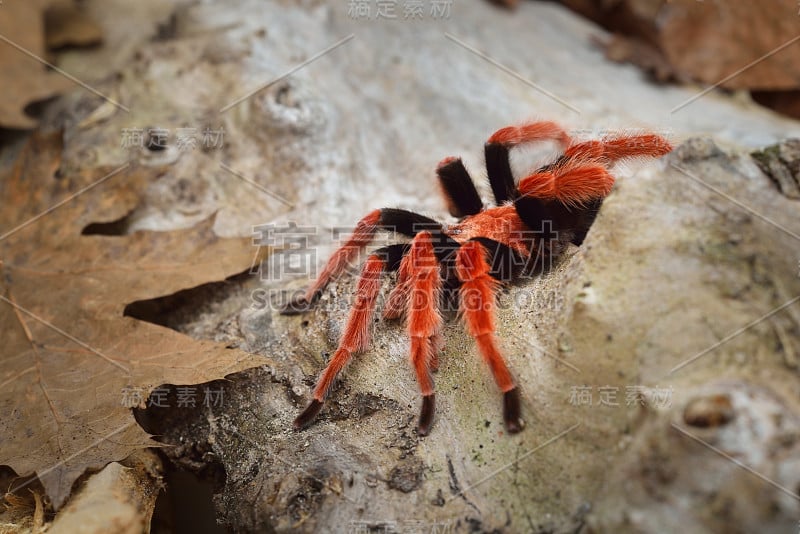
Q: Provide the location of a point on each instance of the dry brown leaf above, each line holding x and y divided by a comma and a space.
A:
749, 45
61, 391
25, 79
632, 50
68, 25
738, 45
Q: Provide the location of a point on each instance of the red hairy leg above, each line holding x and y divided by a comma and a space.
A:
478, 290
437, 344
397, 300
362, 236
355, 337
424, 322
528, 133
496, 153
572, 183
613, 148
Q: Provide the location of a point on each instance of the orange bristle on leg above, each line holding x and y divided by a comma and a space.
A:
362, 236
477, 309
424, 321
528, 133
355, 337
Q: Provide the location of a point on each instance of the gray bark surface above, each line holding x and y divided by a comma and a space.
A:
686, 252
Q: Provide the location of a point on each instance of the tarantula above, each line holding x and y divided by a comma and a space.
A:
533, 222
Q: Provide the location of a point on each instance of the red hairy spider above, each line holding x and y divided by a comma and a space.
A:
534, 220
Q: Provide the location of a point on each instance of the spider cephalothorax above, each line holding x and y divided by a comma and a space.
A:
534, 221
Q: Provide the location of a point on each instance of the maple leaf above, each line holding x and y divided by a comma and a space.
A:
68, 352
25, 78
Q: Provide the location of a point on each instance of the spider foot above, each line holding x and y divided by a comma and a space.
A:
308, 415
511, 411
426, 414
298, 305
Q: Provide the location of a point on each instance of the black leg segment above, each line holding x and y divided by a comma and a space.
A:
505, 262
392, 255
459, 190
511, 411
426, 414
498, 167
410, 224
407, 222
